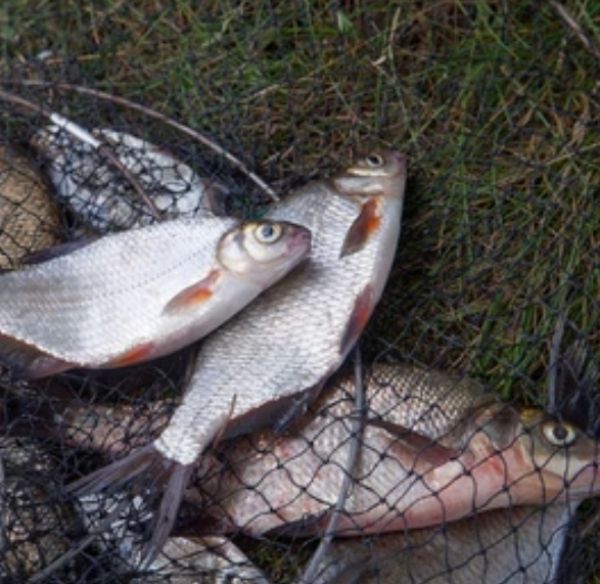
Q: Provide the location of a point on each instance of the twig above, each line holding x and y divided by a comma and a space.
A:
310, 572
571, 23
151, 113
83, 135
559, 331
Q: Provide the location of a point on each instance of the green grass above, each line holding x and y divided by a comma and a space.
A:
495, 104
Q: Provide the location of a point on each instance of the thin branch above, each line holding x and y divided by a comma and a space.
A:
571, 23
151, 113
310, 572
84, 136
559, 331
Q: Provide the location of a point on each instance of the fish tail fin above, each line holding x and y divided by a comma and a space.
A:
26, 362
147, 472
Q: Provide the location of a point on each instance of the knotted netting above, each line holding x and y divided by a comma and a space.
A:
450, 471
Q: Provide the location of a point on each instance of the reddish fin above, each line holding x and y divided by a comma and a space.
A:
366, 224
62, 249
137, 354
419, 448
151, 472
363, 307
194, 294
27, 362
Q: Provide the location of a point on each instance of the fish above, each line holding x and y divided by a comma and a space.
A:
132, 296
521, 545
266, 484
419, 464
29, 217
265, 367
103, 198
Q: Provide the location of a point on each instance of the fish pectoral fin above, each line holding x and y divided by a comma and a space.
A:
27, 362
366, 224
412, 445
55, 251
195, 294
148, 472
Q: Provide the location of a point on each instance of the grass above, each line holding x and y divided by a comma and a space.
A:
495, 103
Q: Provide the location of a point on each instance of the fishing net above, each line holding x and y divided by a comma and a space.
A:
496, 279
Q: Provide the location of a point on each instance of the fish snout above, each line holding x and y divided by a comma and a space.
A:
400, 160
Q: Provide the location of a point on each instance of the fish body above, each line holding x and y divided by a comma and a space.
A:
103, 198
132, 296
29, 218
293, 339
521, 545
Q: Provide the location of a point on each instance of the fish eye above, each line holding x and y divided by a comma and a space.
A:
268, 233
559, 433
374, 160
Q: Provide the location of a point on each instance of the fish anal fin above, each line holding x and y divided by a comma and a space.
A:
137, 354
363, 307
27, 362
420, 449
61, 249
195, 294
365, 225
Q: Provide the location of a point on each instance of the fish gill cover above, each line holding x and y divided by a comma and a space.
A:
495, 287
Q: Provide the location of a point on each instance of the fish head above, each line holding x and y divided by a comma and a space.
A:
544, 459
377, 174
264, 251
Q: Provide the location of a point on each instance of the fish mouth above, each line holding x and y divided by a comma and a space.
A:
400, 160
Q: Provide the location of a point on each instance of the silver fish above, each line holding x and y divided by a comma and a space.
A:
520, 545
29, 218
103, 198
132, 296
293, 339
443, 469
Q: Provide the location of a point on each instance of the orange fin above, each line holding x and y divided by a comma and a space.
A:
367, 223
27, 362
363, 307
135, 355
194, 294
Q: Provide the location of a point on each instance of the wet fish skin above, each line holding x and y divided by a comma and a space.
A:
132, 296
521, 545
103, 199
265, 358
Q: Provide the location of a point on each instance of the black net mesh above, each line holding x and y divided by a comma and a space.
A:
495, 283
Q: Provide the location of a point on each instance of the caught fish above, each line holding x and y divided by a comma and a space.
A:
132, 296
520, 545
29, 218
103, 198
419, 464
263, 368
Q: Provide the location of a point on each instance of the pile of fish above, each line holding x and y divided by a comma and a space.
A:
260, 440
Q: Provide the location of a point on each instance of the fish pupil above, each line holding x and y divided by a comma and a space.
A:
560, 432
267, 231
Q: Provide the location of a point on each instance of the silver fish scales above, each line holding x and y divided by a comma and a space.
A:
133, 296
289, 342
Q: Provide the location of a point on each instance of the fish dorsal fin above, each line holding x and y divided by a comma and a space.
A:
61, 249
419, 449
365, 225
196, 294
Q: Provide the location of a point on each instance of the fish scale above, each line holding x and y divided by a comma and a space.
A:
111, 299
